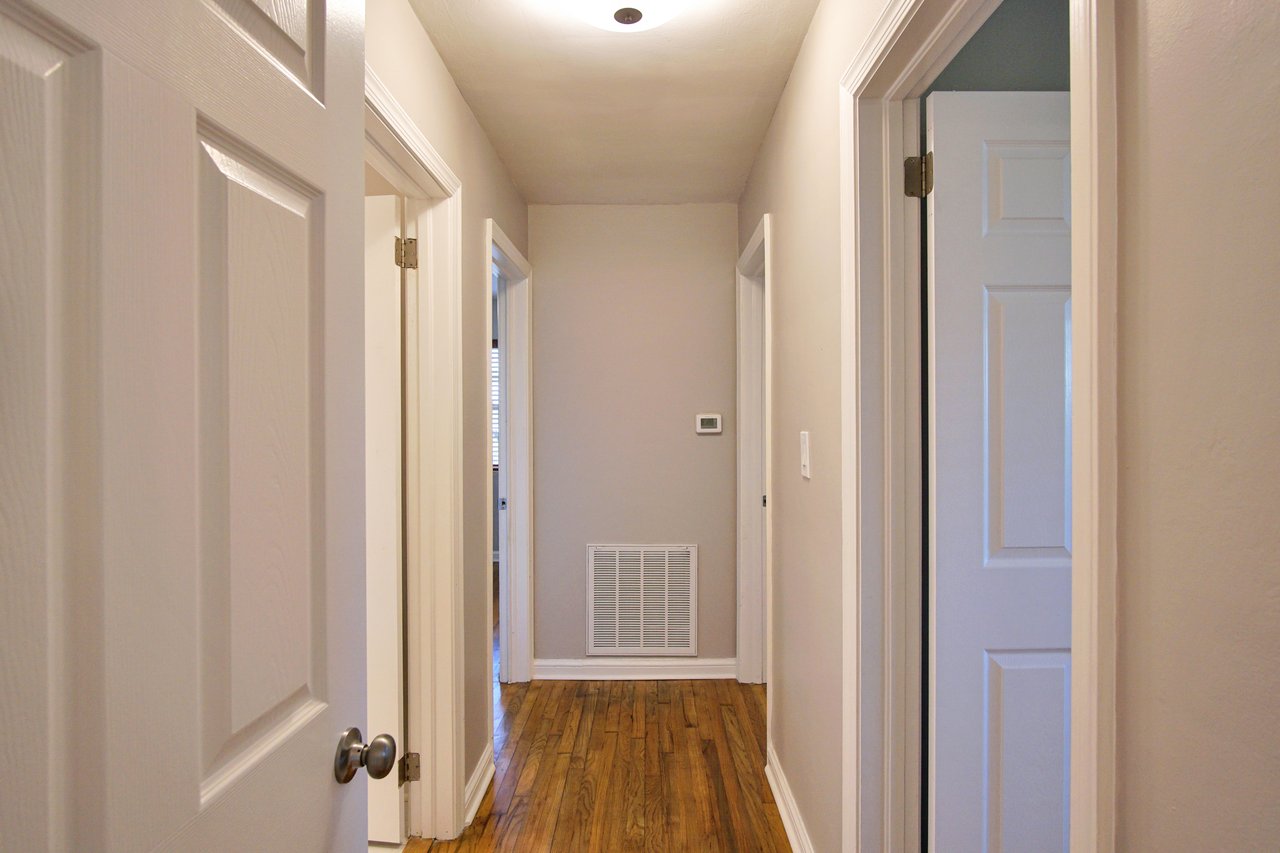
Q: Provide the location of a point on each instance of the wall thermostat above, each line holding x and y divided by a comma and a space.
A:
709, 424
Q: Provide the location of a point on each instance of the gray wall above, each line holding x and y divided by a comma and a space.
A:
634, 334
1023, 47
1198, 680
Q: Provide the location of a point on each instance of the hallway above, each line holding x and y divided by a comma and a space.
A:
626, 765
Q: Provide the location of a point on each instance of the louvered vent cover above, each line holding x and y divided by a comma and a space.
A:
644, 600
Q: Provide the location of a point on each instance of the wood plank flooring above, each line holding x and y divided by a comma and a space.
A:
626, 765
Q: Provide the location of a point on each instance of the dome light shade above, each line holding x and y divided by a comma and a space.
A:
603, 14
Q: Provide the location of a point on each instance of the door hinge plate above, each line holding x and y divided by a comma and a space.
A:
407, 253
410, 768
918, 175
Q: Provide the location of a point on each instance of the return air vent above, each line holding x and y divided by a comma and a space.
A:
644, 600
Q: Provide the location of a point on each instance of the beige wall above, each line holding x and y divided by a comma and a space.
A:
398, 49
1199, 406
634, 334
797, 179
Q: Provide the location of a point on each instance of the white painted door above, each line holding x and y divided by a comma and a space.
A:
1000, 414
383, 502
181, 423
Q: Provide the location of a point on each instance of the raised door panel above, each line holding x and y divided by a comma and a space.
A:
262, 572
1026, 342
1026, 736
289, 32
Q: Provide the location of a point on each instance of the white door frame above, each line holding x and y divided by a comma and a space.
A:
754, 296
880, 438
515, 581
433, 458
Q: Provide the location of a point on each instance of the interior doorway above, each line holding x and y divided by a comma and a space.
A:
996, 398
754, 340
511, 453
1019, 444
420, 377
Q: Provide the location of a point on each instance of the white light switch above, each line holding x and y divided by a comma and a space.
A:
804, 454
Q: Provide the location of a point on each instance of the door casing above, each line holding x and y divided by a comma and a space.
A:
880, 426
432, 458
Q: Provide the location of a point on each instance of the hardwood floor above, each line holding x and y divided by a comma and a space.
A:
626, 765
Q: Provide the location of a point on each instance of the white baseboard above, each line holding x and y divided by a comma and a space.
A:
478, 784
791, 820
634, 669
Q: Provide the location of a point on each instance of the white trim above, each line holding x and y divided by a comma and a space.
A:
433, 463
792, 822
1094, 473
634, 669
478, 784
910, 43
754, 380
515, 569
378, 98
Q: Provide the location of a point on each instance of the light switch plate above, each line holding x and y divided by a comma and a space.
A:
804, 454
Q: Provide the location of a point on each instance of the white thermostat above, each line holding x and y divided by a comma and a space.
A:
709, 424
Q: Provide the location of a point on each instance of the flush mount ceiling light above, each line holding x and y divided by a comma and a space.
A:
617, 16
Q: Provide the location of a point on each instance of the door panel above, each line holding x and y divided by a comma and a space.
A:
1000, 338
261, 662
181, 231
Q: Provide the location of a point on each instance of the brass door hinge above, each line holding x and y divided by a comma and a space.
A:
410, 768
407, 253
918, 175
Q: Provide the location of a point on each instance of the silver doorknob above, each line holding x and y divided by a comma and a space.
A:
377, 756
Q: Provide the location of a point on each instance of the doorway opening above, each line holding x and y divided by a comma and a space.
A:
978, 566
754, 356
413, 419
995, 247
511, 454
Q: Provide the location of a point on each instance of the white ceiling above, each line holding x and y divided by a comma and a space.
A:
582, 115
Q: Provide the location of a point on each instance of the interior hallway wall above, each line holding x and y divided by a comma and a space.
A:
796, 178
634, 313
402, 55
1198, 680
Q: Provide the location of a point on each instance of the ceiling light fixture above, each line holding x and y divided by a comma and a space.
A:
608, 15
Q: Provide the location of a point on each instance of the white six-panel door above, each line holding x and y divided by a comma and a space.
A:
181, 428
1000, 443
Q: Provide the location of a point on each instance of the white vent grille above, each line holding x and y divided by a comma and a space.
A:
644, 600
